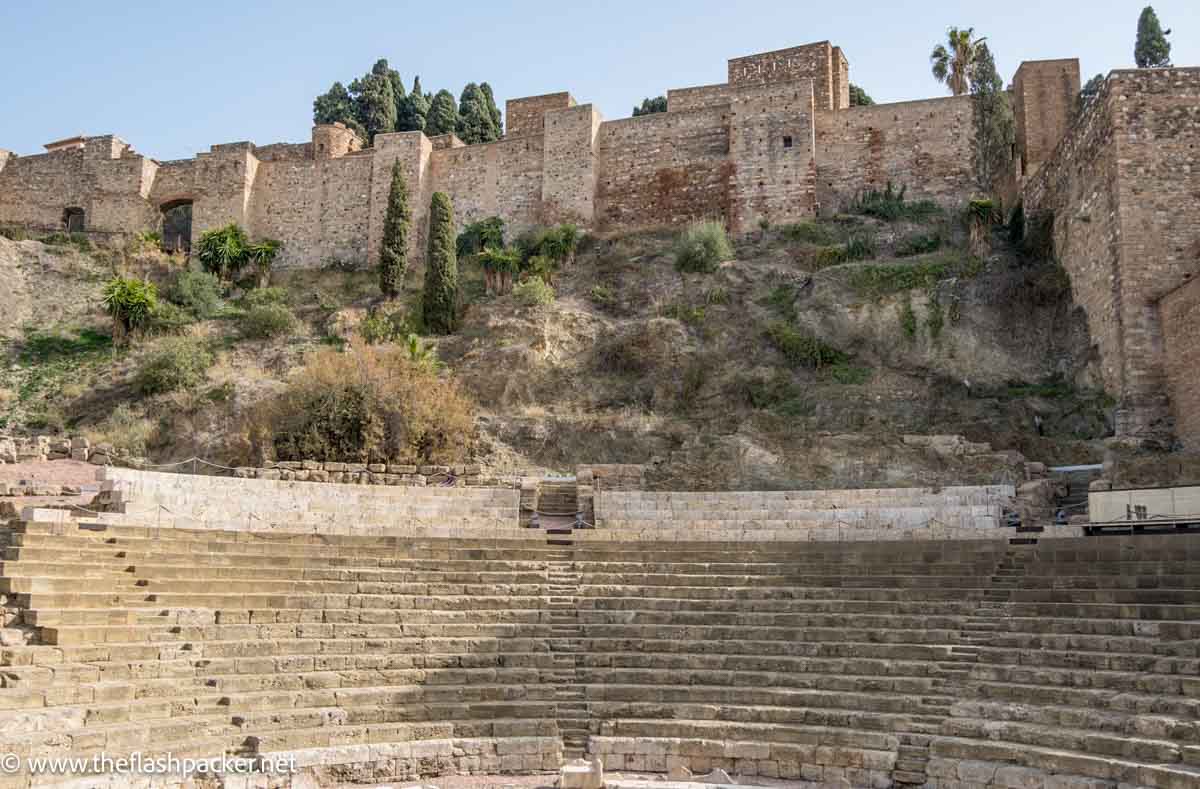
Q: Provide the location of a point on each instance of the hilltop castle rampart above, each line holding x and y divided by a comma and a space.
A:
776, 143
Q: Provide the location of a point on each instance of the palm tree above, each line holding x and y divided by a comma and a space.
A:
953, 66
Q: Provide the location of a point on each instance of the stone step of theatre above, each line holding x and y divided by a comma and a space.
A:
403, 655
557, 498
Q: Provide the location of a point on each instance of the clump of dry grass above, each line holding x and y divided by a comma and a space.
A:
366, 404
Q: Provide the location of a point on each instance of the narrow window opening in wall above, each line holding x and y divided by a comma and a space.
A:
320, 146
73, 219
787, 141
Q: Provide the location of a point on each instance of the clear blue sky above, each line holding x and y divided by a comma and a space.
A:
173, 78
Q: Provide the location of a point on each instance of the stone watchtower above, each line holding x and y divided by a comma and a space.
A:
1045, 99
333, 140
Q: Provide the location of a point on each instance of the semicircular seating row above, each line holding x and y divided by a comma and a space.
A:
190, 501
944, 663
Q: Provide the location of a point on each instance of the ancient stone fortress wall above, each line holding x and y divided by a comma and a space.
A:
778, 142
1181, 349
369, 657
1114, 191
924, 146
674, 165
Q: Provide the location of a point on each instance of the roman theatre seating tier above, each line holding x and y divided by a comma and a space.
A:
949, 662
1075, 657
207, 642
886, 513
192, 501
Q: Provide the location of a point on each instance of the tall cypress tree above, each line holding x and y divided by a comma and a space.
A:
398, 94
443, 114
1152, 49
440, 300
393, 256
475, 122
413, 110
992, 118
497, 118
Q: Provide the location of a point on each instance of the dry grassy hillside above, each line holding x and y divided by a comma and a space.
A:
791, 364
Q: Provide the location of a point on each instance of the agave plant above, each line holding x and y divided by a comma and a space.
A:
223, 251
560, 243
262, 254
421, 354
130, 303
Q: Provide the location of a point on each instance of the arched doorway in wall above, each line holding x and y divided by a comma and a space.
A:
74, 220
177, 226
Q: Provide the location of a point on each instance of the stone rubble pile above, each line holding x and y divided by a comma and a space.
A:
41, 449
366, 473
26, 487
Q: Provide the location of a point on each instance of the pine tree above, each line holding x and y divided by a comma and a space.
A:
1152, 49
393, 257
443, 114
375, 106
475, 123
859, 97
992, 117
333, 106
413, 110
651, 106
490, 98
440, 300
337, 106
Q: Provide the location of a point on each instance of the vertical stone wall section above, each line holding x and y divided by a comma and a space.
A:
525, 116
414, 151
1114, 190
924, 146
569, 164
1181, 342
813, 62
664, 168
1045, 100
841, 80
772, 150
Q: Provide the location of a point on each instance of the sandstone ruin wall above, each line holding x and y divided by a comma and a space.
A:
743, 152
1118, 195
922, 145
